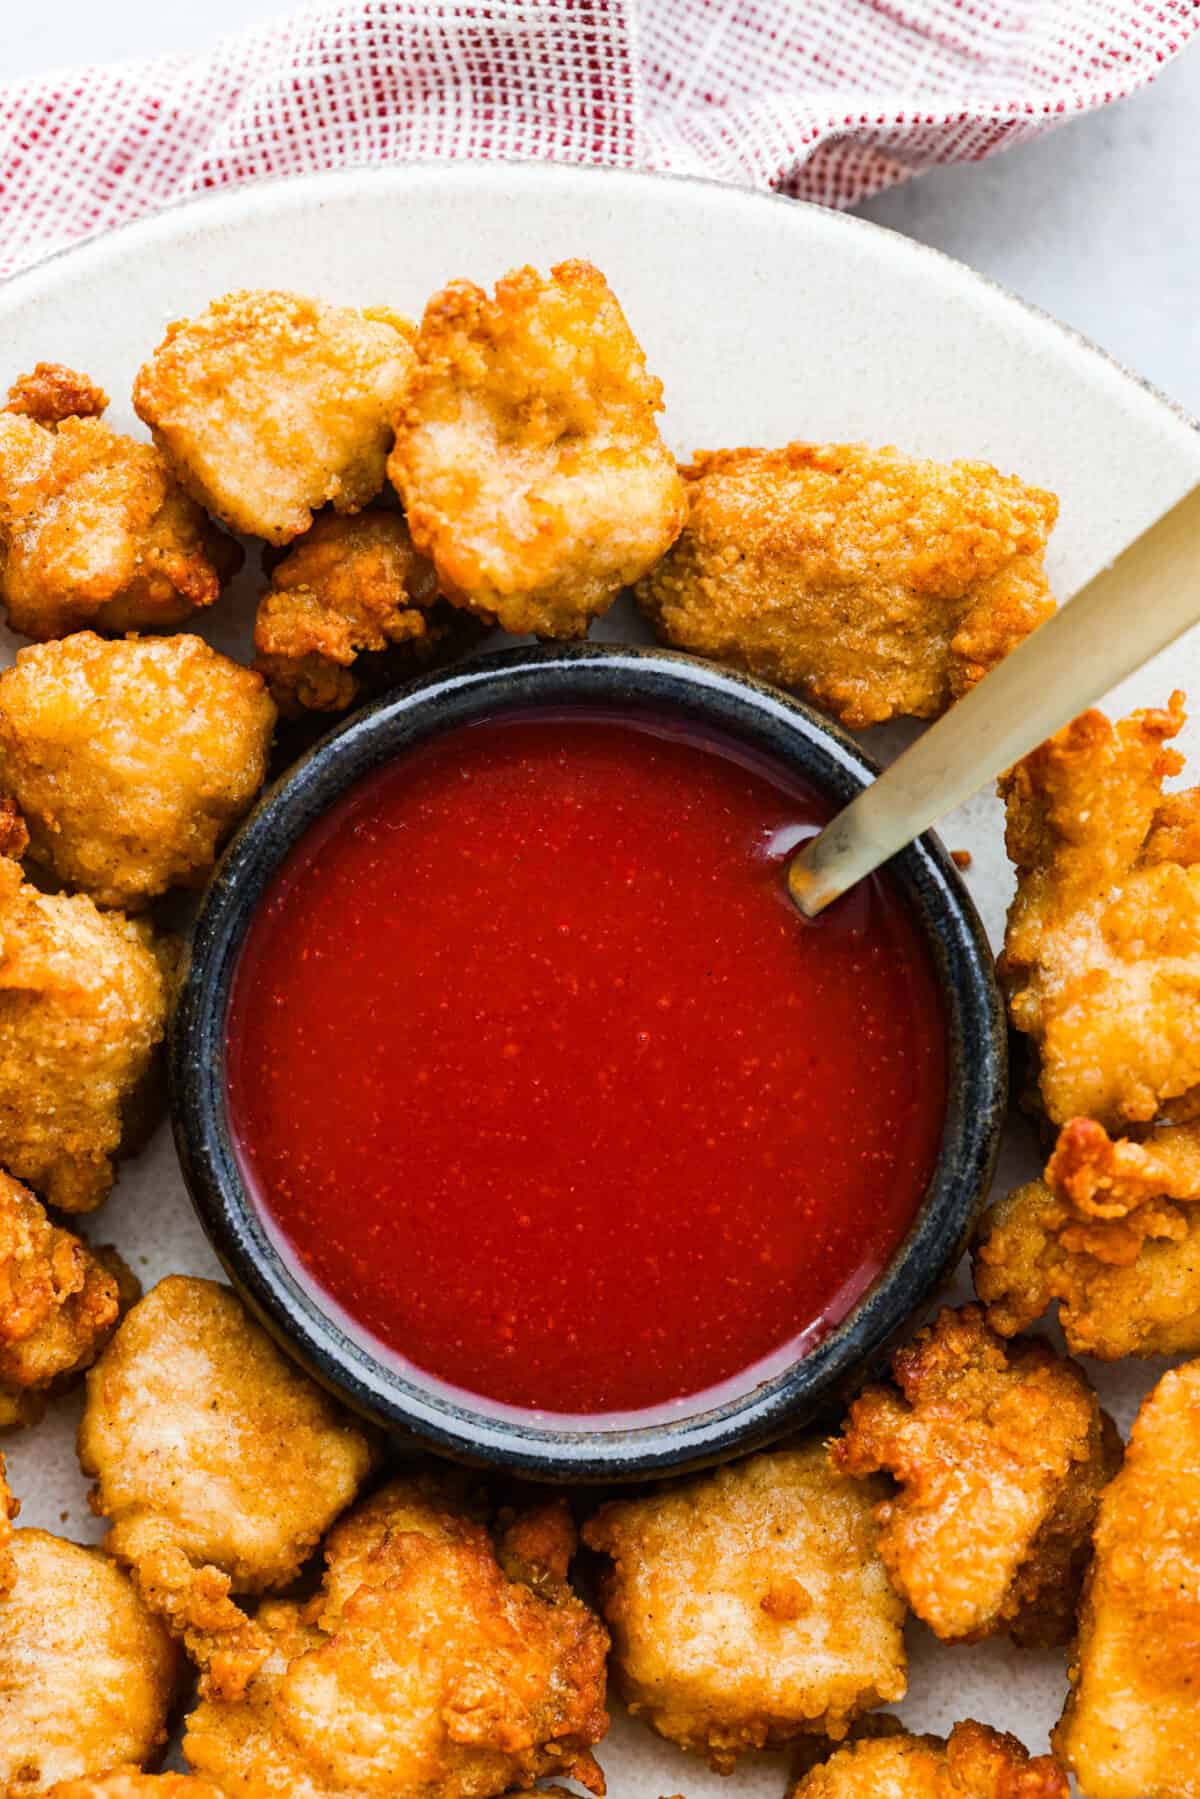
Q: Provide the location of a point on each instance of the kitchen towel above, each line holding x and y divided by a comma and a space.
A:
828, 100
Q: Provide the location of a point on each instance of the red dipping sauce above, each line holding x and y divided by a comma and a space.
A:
542, 1081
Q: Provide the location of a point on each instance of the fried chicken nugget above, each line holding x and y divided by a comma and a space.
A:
750, 1605
438, 1660
93, 530
1101, 959
999, 1453
83, 1007
269, 406
1131, 1729
218, 1462
527, 452
1105, 1236
350, 586
975, 1763
878, 584
87, 1675
59, 1302
131, 762
128, 1783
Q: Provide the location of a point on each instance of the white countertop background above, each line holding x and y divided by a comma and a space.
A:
1099, 222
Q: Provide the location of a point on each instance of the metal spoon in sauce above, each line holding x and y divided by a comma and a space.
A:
1129, 612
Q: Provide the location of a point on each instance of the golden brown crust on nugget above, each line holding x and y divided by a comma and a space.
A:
218, 1462
83, 1007
999, 1452
349, 587
879, 584
53, 392
93, 530
975, 1763
1101, 959
527, 453
421, 1667
270, 405
751, 1605
128, 1783
1131, 1729
59, 1303
131, 762
87, 1675
1112, 1234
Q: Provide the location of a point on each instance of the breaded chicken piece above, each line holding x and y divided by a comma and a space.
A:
999, 1453
219, 1463
878, 584
83, 1007
93, 529
87, 1675
1101, 959
131, 762
751, 1605
1116, 1188
128, 1783
1131, 1729
269, 406
59, 1301
439, 1660
527, 452
975, 1763
243, 1745
351, 587
1106, 1236
53, 392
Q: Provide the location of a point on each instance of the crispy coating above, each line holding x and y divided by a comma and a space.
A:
435, 1662
975, 1763
59, 1302
1131, 1729
54, 392
83, 1007
1101, 959
750, 1605
128, 1783
527, 453
1111, 1235
999, 1453
14, 838
878, 584
93, 529
87, 1675
131, 761
9, 1507
269, 406
349, 586
1115, 1188
218, 1462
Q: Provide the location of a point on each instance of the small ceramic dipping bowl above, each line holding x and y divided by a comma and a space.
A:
584, 680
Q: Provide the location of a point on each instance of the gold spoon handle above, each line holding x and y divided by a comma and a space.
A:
1132, 609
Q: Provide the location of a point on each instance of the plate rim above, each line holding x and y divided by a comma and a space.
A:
215, 200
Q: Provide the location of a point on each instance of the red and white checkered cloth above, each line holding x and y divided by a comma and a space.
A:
830, 100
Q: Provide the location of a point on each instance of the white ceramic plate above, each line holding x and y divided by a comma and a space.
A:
766, 320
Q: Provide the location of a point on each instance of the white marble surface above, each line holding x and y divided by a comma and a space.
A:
1095, 222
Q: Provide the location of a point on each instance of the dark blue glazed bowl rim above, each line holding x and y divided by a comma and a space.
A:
608, 678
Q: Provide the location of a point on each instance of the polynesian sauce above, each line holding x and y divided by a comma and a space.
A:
545, 1083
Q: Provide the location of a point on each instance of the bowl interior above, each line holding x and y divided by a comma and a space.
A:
592, 677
